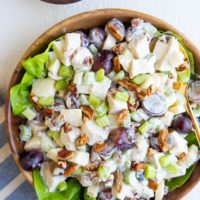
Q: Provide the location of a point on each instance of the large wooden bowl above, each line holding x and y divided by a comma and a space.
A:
86, 21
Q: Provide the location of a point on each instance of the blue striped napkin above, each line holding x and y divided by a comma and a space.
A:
13, 185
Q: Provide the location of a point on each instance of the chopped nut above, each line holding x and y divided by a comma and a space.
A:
181, 157
129, 86
35, 104
98, 147
118, 48
151, 90
83, 139
65, 154
115, 32
153, 185
62, 164
116, 64
67, 127
133, 104
163, 140
88, 112
118, 181
140, 166
47, 112
122, 115
153, 44
151, 152
72, 88
71, 169
141, 95
92, 166
182, 67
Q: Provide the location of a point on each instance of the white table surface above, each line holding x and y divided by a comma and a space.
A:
22, 21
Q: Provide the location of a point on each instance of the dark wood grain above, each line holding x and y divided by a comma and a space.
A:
86, 21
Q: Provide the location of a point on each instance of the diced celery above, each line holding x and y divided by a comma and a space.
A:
172, 169
79, 171
184, 76
119, 76
25, 133
103, 121
145, 127
83, 99
102, 109
29, 113
89, 78
139, 79
121, 96
164, 160
93, 49
62, 186
100, 74
149, 172
66, 72
94, 100
129, 177
103, 172
46, 101
54, 134
61, 85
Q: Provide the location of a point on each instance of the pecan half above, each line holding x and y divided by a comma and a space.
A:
129, 86
71, 169
116, 64
115, 32
65, 154
92, 166
118, 181
83, 139
122, 115
88, 112
98, 147
67, 127
163, 140
153, 185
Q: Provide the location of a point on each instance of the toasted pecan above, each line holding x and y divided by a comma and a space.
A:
129, 86
118, 177
88, 112
116, 64
47, 112
133, 104
65, 154
122, 115
34, 103
163, 140
153, 185
83, 139
71, 169
67, 127
115, 32
98, 147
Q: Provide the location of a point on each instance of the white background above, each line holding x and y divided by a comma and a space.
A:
22, 21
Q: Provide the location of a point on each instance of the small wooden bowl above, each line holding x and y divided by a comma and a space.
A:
86, 21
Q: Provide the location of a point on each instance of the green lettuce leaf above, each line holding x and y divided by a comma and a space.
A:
189, 53
27, 78
181, 180
73, 191
19, 98
35, 66
191, 139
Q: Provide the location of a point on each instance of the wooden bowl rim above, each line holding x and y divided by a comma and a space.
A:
46, 36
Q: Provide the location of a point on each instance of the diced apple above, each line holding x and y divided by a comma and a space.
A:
79, 157
109, 43
53, 154
33, 143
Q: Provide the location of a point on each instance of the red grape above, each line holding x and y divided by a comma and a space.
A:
97, 36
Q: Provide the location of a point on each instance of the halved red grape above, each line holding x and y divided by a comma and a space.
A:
103, 60
194, 91
123, 138
155, 105
182, 124
32, 160
84, 39
97, 36
116, 28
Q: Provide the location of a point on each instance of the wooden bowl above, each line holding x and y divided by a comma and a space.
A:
86, 21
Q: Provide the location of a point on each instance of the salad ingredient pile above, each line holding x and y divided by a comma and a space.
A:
105, 113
